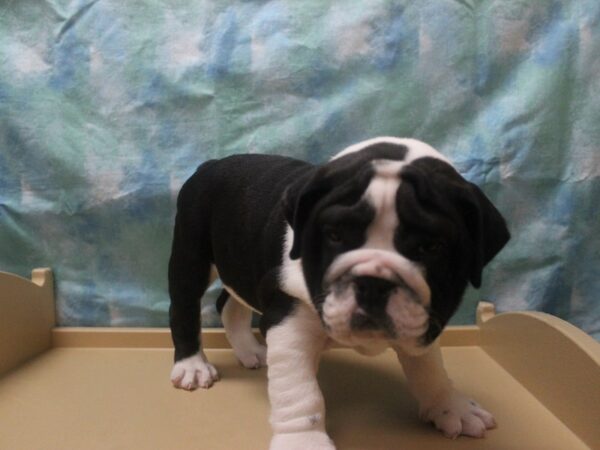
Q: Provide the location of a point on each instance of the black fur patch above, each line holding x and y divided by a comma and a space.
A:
451, 228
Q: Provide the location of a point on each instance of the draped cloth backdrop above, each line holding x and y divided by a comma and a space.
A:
107, 106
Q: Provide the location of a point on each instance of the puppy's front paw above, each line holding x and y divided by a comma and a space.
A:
454, 414
306, 440
193, 372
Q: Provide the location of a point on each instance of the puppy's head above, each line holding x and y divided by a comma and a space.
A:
390, 235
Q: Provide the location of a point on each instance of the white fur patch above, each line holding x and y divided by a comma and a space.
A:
291, 277
416, 149
337, 312
293, 350
381, 194
306, 440
409, 317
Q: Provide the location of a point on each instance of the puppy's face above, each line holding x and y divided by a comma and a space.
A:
390, 235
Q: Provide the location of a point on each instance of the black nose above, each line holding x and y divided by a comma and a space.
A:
372, 289
372, 296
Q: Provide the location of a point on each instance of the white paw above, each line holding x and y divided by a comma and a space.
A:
454, 414
193, 372
307, 440
253, 356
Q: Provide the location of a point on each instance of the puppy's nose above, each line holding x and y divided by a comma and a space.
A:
372, 288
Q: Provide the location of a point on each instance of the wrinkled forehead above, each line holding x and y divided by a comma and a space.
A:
366, 178
382, 163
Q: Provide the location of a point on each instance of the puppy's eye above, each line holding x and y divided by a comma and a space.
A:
431, 248
333, 235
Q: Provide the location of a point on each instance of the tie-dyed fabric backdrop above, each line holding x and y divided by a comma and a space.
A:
107, 106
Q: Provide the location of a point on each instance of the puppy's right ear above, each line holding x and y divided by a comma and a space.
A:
299, 200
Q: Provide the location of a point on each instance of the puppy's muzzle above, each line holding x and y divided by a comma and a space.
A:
375, 294
376, 273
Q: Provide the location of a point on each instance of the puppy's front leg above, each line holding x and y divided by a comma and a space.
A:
297, 406
451, 412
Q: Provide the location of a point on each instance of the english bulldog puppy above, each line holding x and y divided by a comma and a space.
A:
372, 250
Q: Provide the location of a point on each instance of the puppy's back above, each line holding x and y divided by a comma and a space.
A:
234, 205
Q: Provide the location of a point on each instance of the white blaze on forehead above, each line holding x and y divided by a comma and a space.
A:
383, 187
416, 149
381, 195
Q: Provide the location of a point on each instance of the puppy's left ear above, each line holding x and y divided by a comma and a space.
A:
298, 201
488, 229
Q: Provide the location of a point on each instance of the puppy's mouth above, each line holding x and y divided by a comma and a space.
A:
361, 321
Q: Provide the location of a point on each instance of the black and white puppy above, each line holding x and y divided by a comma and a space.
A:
371, 250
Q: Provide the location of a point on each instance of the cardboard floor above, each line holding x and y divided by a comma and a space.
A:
93, 398
109, 388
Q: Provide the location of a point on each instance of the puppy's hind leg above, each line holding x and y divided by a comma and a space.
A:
237, 320
189, 275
